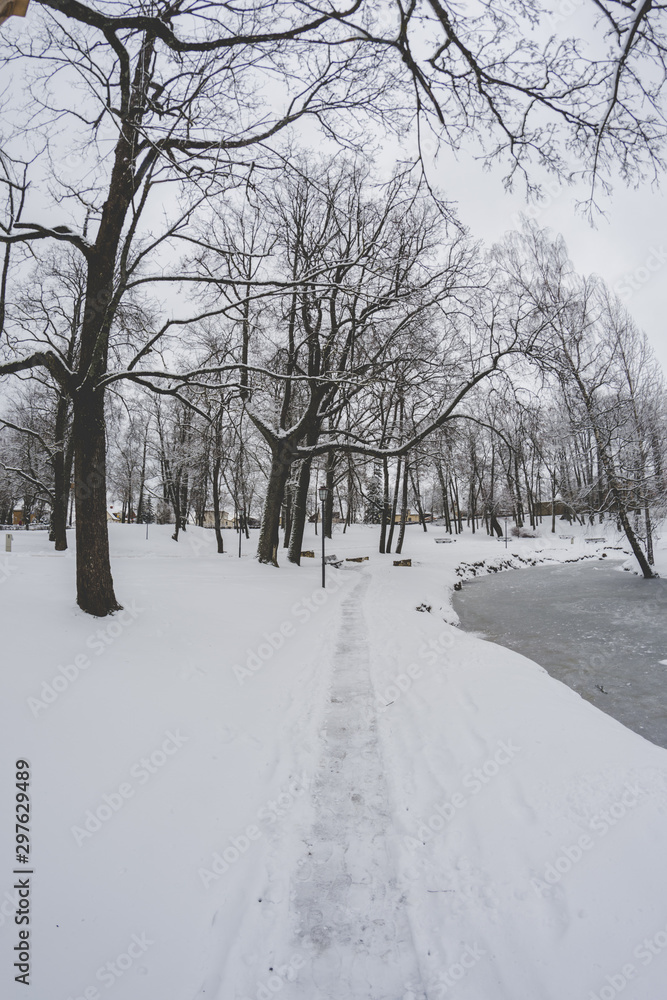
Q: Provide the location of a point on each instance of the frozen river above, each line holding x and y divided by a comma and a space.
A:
599, 630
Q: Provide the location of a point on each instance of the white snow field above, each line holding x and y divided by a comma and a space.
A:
243, 787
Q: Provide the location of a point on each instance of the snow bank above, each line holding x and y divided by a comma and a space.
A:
175, 755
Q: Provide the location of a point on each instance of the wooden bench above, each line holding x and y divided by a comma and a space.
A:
333, 561
444, 541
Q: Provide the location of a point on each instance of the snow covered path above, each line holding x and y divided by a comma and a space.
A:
365, 802
347, 921
352, 921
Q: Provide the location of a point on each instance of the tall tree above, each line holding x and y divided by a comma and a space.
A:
175, 93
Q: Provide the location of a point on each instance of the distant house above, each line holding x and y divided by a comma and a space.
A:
226, 519
336, 517
545, 509
115, 512
412, 517
18, 518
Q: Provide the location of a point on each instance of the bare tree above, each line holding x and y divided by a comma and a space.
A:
587, 347
175, 93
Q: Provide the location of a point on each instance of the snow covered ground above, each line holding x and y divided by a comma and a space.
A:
245, 787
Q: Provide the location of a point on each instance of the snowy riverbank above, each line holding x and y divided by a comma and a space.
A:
243, 787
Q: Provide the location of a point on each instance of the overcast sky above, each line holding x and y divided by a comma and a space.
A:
628, 248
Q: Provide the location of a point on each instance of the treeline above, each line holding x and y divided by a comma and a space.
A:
353, 336
166, 233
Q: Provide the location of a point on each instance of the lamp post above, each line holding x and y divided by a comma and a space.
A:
324, 493
238, 524
505, 530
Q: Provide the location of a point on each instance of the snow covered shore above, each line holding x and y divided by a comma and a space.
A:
243, 786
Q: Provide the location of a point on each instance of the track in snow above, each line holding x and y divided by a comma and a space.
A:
351, 927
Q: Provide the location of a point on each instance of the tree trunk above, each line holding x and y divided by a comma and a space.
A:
327, 525
420, 507
299, 512
215, 477
95, 593
142, 484
350, 493
288, 515
269, 534
61, 477
634, 543
394, 505
495, 526
445, 499
614, 486
174, 493
456, 507
553, 505
517, 485
404, 509
185, 501
649, 536
386, 509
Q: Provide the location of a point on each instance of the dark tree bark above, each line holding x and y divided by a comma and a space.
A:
386, 508
62, 473
299, 512
269, 533
215, 477
330, 469
287, 515
404, 509
394, 505
495, 526
444, 493
95, 592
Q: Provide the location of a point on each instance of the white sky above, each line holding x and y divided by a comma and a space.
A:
628, 248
